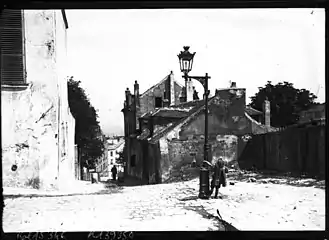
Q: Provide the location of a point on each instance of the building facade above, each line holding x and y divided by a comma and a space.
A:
37, 126
170, 137
113, 147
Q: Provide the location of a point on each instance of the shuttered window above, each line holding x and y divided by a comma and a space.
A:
12, 47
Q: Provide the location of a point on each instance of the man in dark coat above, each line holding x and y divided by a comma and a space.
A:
218, 176
114, 172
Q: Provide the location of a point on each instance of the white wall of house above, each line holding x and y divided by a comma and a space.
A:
36, 121
113, 154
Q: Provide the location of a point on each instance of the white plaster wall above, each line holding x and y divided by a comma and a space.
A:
31, 119
67, 122
30, 116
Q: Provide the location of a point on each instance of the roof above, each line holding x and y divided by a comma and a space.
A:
168, 112
251, 111
189, 104
115, 146
154, 86
192, 114
193, 109
159, 83
258, 128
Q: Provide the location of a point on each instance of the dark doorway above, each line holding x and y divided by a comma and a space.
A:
133, 160
158, 102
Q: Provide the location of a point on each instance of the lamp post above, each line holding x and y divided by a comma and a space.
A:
186, 62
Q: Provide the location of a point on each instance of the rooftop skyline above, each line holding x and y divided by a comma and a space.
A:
110, 49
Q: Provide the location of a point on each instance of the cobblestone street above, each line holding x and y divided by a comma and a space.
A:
248, 206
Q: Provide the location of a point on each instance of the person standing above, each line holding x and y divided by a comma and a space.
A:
218, 176
114, 172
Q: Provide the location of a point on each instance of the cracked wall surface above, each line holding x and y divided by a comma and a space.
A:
185, 142
31, 118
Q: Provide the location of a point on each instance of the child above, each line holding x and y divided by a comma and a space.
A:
218, 176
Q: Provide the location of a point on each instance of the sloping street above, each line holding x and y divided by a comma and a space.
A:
246, 205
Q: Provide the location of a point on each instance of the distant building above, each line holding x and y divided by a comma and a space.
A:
101, 166
113, 145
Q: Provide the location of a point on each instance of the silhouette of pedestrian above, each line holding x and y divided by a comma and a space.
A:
114, 172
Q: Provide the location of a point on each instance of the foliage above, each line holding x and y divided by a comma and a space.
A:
120, 159
88, 135
286, 102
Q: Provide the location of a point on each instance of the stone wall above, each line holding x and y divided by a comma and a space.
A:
186, 141
176, 154
30, 117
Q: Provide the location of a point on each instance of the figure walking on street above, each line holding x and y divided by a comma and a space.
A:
218, 176
114, 172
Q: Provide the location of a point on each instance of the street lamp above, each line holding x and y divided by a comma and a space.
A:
186, 62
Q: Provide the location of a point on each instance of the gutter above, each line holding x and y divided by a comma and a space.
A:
65, 19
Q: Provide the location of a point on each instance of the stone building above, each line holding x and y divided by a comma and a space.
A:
37, 126
171, 136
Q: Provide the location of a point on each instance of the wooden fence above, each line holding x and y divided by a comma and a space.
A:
296, 149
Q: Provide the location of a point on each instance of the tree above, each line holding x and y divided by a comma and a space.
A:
88, 134
120, 159
286, 102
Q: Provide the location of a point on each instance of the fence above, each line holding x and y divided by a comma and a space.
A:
77, 156
296, 149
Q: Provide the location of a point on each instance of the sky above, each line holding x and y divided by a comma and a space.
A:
109, 49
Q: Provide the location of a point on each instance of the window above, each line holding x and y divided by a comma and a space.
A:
12, 51
111, 153
133, 161
158, 102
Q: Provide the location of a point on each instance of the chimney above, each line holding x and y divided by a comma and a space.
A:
233, 85
137, 103
136, 92
128, 98
267, 113
189, 90
133, 114
182, 96
171, 94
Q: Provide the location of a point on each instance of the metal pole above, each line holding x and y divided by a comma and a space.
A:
204, 173
186, 79
206, 146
